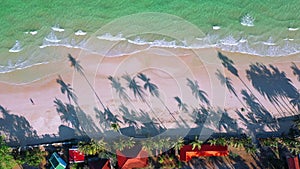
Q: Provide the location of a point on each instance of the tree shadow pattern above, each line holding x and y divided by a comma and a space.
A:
16, 129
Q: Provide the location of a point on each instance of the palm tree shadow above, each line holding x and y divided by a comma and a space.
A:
75, 116
228, 63
218, 162
228, 123
67, 114
16, 128
102, 119
296, 71
274, 85
87, 123
261, 114
149, 128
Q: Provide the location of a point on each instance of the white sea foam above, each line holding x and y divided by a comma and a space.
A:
247, 20
57, 28
16, 48
80, 33
293, 29
216, 27
269, 42
110, 37
51, 37
164, 43
18, 66
33, 32
229, 40
139, 41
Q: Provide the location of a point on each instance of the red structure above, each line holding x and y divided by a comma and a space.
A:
75, 156
99, 164
187, 152
132, 158
293, 162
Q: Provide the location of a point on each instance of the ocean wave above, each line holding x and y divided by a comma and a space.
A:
293, 29
247, 20
216, 27
110, 37
31, 32
51, 37
16, 48
19, 65
57, 28
128, 46
80, 33
229, 43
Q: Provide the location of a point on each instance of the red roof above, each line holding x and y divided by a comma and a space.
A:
99, 164
132, 158
187, 152
75, 156
293, 162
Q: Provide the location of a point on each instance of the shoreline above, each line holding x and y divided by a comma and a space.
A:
16, 98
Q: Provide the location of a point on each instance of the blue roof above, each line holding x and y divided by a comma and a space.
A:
57, 162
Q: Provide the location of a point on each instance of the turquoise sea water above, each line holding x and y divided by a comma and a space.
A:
265, 28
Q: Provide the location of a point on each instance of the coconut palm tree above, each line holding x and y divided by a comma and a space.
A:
178, 145
116, 127
67, 89
222, 141
213, 142
196, 143
79, 69
93, 147
148, 145
182, 106
122, 143
198, 94
158, 146
153, 89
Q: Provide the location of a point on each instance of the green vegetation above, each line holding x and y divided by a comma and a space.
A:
6, 158
32, 157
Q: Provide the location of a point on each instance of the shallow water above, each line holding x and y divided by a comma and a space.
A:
268, 28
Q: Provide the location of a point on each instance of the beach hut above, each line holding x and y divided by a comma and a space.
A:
98, 163
75, 156
293, 162
57, 162
187, 152
132, 158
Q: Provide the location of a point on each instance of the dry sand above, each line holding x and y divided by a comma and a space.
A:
168, 68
